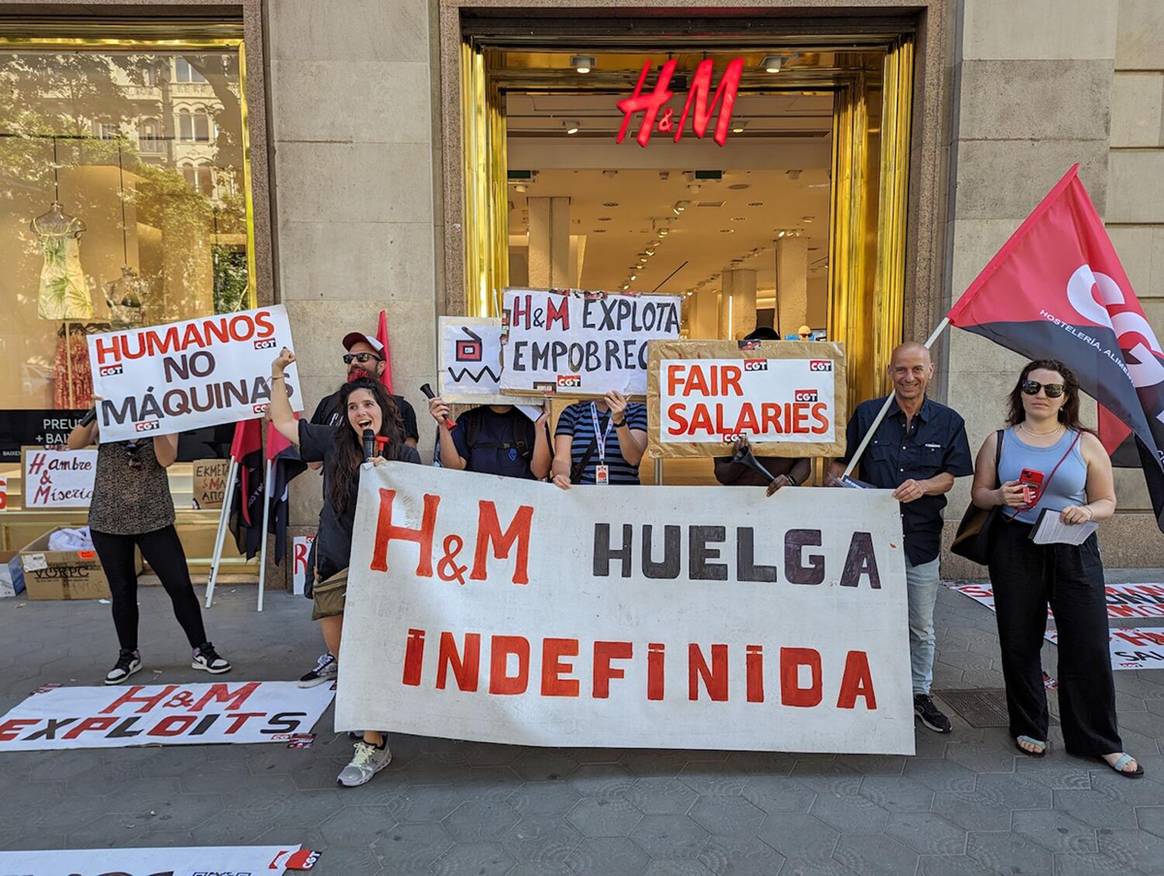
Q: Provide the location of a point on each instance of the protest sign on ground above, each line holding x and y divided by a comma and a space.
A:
162, 714
189, 375
470, 361
180, 861
1132, 648
58, 478
300, 552
1123, 600
539, 616
786, 397
582, 344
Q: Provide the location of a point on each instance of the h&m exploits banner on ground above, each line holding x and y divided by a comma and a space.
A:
162, 714
181, 861
582, 344
539, 616
788, 398
189, 375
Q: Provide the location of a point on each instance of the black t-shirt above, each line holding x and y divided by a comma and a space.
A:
328, 413
332, 548
493, 443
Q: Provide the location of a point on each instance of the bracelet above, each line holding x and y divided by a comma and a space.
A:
278, 376
1090, 513
619, 425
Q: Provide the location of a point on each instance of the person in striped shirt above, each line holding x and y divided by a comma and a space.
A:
600, 442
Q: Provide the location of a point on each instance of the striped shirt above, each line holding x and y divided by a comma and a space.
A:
577, 421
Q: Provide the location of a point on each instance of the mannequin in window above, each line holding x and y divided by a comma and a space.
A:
64, 293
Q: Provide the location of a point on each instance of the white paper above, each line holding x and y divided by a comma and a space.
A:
1052, 530
59, 478
469, 370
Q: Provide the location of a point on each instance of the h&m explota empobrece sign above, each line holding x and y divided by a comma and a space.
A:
656, 113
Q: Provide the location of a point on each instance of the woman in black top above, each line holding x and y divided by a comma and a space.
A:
366, 405
132, 507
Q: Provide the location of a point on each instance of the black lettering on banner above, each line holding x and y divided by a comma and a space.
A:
604, 552
52, 725
283, 722
699, 553
121, 731
746, 568
795, 541
861, 561
671, 566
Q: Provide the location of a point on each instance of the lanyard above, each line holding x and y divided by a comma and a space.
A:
601, 444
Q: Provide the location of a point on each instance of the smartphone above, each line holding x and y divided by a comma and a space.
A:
1032, 483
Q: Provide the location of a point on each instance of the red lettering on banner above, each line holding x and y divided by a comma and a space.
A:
674, 375
386, 532
656, 667
221, 693
822, 422
202, 334
413, 657
1140, 638
553, 668
131, 696
500, 647
489, 531
856, 682
603, 672
465, 669
791, 693
715, 679
559, 314
754, 664
10, 728
237, 721
90, 724
675, 416
172, 725
770, 418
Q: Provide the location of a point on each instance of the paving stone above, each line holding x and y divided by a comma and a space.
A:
662, 795
358, 825
826, 776
545, 764
1094, 809
740, 856
727, 816
1008, 853
716, 779
604, 780
952, 865
676, 868
481, 859
971, 810
1054, 830
940, 775
778, 794
1151, 818
610, 855
1014, 791
546, 839
897, 794
850, 812
928, 833
669, 837
875, 855
593, 817
661, 762
544, 798
411, 848
798, 836
1135, 849
1087, 864
480, 821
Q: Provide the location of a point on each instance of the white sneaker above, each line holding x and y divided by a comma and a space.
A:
128, 662
209, 660
326, 669
367, 761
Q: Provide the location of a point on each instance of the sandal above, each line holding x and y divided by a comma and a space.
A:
1122, 761
1039, 752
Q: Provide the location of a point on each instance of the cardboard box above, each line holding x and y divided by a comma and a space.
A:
11, 574
63, 574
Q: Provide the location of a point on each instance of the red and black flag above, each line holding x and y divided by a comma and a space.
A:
285, 466
1057, 290
246, 509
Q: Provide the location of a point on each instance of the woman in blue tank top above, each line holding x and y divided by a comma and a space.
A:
1050, 462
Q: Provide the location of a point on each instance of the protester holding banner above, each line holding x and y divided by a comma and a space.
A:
132, 508
917, 451
493, 439
600, 442
369, 408
1049, 464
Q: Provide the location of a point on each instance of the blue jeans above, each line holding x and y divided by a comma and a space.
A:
922, 588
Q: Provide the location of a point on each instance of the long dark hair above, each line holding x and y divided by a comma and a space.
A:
1068, 414
349, 446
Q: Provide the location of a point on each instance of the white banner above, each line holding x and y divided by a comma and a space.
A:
162, 714
582, 343
1133, 648
469, 370
537, 616
188, 861
187, 375
300, 551
1123, 600
58, 478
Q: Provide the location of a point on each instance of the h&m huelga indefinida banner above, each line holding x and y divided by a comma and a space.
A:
582, 344
538, 616
188, 375
786, 397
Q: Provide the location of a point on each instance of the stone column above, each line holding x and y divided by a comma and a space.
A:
549, 243
704, 314
791, 284
737, 309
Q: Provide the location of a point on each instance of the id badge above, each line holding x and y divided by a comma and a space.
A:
602, 474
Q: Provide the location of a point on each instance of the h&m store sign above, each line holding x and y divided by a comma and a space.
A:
658, 116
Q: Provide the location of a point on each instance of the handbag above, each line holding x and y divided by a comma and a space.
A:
972, 540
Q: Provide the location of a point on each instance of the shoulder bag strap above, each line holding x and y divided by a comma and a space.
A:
1047, 482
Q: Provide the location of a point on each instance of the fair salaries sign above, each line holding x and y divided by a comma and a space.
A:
537, 616
582, 344
786, 397
188, 375
58, 478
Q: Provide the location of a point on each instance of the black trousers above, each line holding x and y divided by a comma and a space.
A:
1026, 578
162, 549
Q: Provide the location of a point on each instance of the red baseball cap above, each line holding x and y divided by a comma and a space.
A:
353, 338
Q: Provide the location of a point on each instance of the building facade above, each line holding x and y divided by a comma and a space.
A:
417, 156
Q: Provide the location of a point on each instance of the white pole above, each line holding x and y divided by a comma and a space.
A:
266, 517
223, 526
885, 407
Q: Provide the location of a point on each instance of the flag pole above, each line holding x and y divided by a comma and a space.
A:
266, 518
888, 401
223, 526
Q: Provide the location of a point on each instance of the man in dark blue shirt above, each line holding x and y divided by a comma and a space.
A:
917, 451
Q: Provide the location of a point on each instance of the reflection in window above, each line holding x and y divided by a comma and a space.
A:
183, 72
149, 137
185, 126
201, 127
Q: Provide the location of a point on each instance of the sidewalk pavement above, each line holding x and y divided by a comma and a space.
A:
968, 803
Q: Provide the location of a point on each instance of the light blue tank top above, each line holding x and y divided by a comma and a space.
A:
1068, 485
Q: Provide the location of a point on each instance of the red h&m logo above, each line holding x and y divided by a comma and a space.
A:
651, 104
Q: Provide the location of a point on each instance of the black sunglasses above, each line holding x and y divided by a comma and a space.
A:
1053, 390
362, 358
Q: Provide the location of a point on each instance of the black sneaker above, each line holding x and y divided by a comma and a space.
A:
931, 716
326, 668
208, 660
128, 662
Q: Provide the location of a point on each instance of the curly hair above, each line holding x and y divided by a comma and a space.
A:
349, 444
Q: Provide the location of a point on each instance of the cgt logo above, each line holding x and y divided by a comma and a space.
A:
820, 364
805, 395
260, 409
147, 426
569, 381
755, 364
265, 344
110, 370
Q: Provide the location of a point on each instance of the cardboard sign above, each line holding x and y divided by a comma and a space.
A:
582, 344
182, 861
786, 397
470, 361
162, 714
536, 616
300, 551
58, 478
189, 375
210, 482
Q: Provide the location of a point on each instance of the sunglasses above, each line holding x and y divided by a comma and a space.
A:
1053, 390
362, 358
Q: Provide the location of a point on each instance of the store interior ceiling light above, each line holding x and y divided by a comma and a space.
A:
572, 126
583, 63
772, 63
